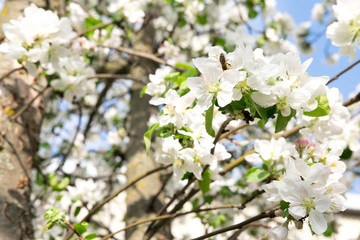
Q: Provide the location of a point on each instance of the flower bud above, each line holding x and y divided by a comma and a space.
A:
278, 233
301, 144
279, 212
311, 149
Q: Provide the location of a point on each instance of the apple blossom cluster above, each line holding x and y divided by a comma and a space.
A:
310, 186
344, 32
279, 80
40, 38
243, 84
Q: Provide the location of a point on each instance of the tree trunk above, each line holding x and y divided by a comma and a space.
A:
140, 197
19, 141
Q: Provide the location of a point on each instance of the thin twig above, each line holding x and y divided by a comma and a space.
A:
235, 163
25, 107
352, 100
101, 25
268, 214
145, 55
112, 196
220, 131
72, 144
11, 72
241, 126
73, 229
343, 71
118, 76
96, 107
175, 215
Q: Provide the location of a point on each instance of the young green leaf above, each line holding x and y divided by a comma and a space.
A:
81, 228
282, 122
91, 236
188, 67
148, 134
323, 108
208, 120
61, 185
256, 174
205, 183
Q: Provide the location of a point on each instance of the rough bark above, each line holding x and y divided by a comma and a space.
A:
19, 140
141, 196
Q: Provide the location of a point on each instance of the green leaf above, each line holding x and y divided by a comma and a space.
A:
208, 120
205, 183
55, 216
259, 110
225, 192
201, 19
286, 213
347, 153
323, 108
148, 134
208, 199
52, 179
91, 22
284, 205
220, 42
172, 76
252, 13
91, 236
61, 185
329, 231
39, 179
282, 122
77, 211
256, 175
188, 67
142, 93
81, 228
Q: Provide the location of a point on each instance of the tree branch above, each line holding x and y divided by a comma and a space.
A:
97, 105
220, 131
118, 76
352, 100
343, 71
25, 107
175, 215
268, 214
11, 72
108, 199
67, 154
145, 55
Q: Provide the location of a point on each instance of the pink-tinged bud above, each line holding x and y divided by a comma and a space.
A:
278, 233
301, 144
311, 149
279, 212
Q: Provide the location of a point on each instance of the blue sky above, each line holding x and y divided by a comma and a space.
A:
300, 10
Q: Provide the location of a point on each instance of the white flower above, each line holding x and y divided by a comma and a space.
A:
215, 83
169, 150
269, 150
278, 233
157, 86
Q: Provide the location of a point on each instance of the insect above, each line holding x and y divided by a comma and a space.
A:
223, 62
